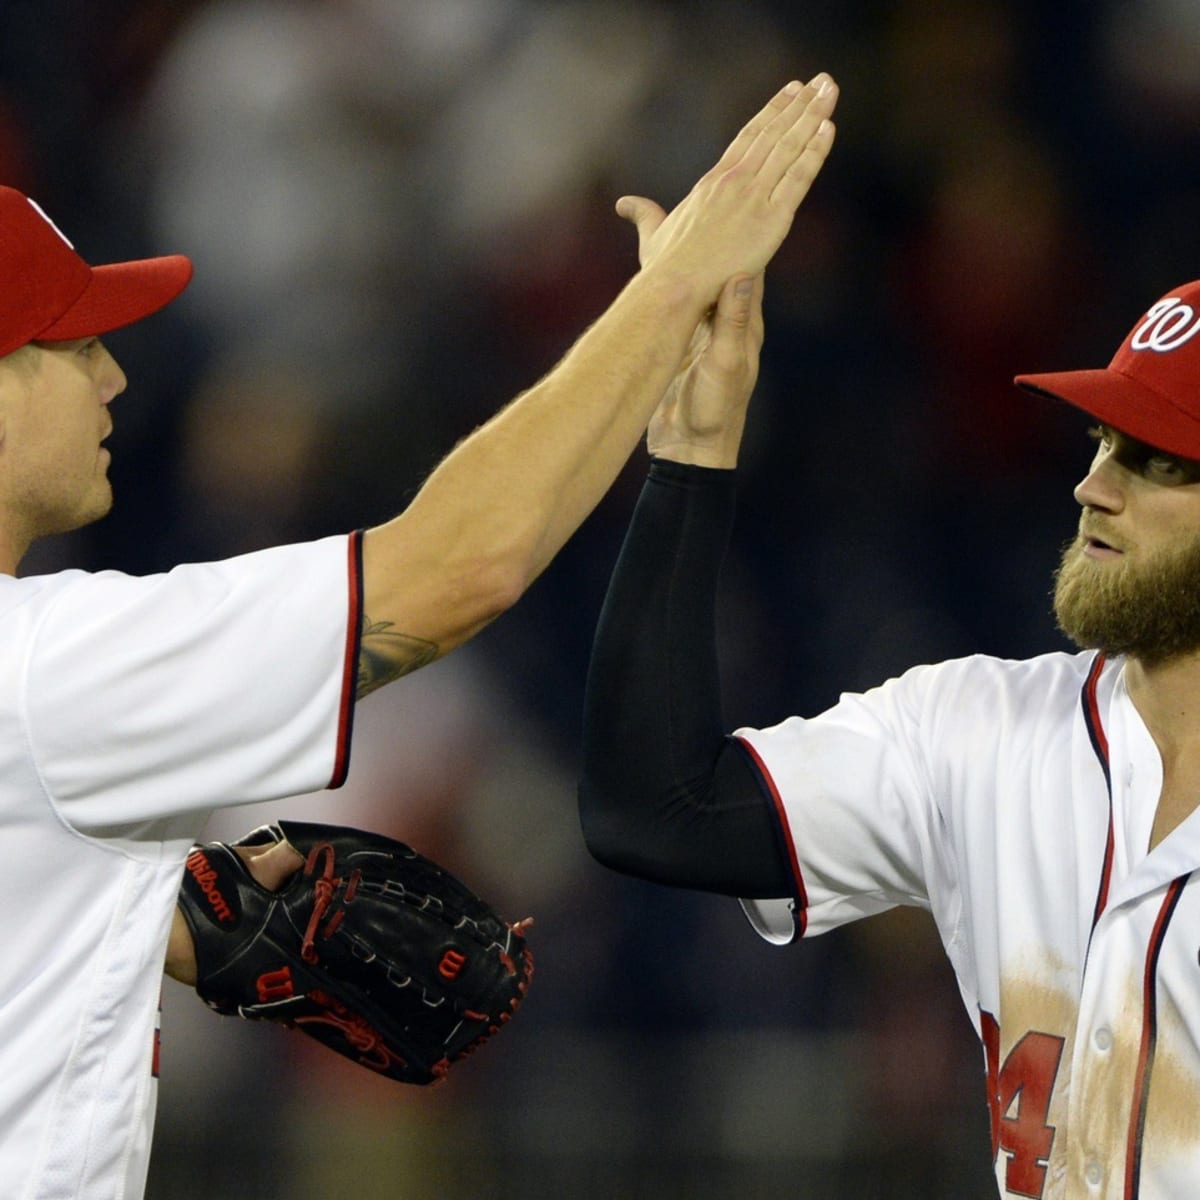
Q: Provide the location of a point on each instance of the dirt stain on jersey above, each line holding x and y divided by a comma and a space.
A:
1174, 1086
1092, 1103
1043, 1002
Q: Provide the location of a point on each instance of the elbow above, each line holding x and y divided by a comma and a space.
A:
503, 572
442, 585
507, 582
609, 840
606, 853
472, 592
490, 589
613, 856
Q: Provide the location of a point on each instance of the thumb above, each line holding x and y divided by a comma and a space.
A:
645, 215
737, 321
735, 305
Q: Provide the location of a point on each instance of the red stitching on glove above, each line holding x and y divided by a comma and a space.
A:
355, 1029
506, 958
323, 888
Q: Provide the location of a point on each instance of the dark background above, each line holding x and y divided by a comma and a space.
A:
401, 214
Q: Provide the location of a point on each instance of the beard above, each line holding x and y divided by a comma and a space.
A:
1149, 611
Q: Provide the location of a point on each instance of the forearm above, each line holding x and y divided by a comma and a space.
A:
492, 516
499, 507
663, 793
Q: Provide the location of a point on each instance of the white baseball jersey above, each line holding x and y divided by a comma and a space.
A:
129, 709
1015, 801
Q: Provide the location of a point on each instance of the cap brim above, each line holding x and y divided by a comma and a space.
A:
119, 294
1128, 406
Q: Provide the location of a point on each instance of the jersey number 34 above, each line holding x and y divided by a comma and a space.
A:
1019, 1100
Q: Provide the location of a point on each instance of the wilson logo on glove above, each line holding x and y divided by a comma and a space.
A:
274, 985
372, 949
206, 881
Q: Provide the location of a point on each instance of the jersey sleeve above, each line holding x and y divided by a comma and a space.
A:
854, 797
145, 698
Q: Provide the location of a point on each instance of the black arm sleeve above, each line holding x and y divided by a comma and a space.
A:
663, 794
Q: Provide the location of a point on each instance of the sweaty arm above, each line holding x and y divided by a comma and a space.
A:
663, 794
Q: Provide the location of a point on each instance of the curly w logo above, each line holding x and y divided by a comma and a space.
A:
1168, 324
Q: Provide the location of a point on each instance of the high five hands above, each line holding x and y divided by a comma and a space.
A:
753, 192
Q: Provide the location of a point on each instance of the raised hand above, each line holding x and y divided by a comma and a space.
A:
701, 417
739, 212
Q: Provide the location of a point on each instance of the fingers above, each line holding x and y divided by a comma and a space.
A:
799, 175
783, 140
734, 219
792, 99
778, 104
271, 865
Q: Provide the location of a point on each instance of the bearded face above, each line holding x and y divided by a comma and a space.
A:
1145, 605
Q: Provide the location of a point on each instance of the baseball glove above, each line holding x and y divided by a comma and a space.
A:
370, 948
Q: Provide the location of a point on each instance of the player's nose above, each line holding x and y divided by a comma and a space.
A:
112, 378
1101, 488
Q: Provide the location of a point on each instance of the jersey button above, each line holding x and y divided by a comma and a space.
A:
1094, 1174
1103, 1039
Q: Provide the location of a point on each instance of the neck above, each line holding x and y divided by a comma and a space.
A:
14, 542
1167, 695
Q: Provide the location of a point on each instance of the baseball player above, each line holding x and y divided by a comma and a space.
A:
1043, 811
130, 708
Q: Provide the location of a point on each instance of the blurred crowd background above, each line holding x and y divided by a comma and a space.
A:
401, 214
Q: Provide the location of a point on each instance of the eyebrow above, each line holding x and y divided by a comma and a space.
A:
1142, 450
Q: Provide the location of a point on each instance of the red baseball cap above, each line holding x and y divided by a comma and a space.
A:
48, 292
1151, 389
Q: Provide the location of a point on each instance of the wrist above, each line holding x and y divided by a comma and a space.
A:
669, 470
180, 962
696, 456
672, 291
719, 451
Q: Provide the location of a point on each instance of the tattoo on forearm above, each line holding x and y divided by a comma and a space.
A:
385, 654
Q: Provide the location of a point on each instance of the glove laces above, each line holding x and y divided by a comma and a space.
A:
325, 888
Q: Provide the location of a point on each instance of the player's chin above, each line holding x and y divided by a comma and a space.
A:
99, 500
97, 504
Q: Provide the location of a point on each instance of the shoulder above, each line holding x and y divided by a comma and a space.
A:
968, 710
979, 679
276, 565
978, 697
28, 595
1054, 672
975, 691
64, 620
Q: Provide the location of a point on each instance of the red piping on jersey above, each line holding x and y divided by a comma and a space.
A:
350, 663
1141, 1089
1095, 728
801, 907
